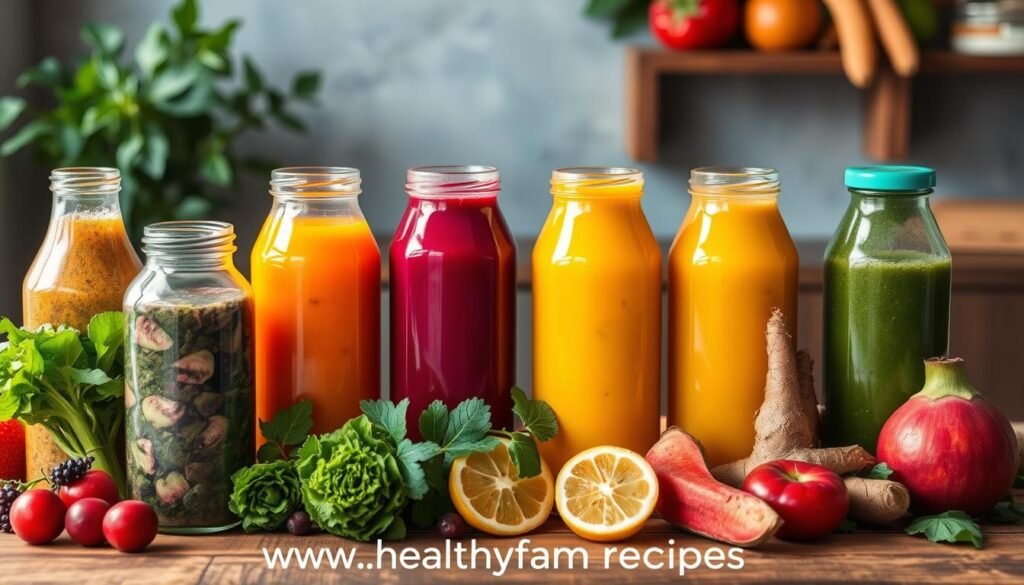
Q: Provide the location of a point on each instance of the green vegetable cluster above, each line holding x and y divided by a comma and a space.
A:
361, 481
265, 494
351, 483
71, 384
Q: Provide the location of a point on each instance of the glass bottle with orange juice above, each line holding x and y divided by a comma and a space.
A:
83, 267
731, 263
316, 288
597, 314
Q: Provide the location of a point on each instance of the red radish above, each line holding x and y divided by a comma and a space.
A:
949, 446
130, 526
691, 498
37, 516
94, 484
84, 521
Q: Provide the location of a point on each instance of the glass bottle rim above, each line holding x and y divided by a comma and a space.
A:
452, 181
85, 181
739, 181
314, 181
593, 181
185, 238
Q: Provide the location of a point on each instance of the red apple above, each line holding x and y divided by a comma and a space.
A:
811, 499
949, 446
94, 484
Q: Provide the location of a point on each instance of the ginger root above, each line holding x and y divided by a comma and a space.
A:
786, 427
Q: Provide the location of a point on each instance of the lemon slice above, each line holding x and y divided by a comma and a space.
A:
490, 496
606, 493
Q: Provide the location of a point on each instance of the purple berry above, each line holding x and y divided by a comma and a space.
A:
451, 526
299, 523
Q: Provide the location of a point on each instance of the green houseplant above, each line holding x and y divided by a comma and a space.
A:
168, 118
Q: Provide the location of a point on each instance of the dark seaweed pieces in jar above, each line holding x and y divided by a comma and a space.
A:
190, 404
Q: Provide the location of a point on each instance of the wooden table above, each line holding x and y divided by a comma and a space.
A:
238, 558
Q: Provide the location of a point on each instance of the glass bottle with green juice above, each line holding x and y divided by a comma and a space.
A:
887, 297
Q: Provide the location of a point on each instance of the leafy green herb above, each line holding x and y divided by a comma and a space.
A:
953, 526
69, 383
289, 428
537, 416
1008, 511
265, 494
352, 484
387, 415
170, 120
879, 471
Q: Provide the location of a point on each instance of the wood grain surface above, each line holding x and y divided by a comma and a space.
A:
238, 558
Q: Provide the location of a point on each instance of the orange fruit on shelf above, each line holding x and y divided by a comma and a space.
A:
782, 25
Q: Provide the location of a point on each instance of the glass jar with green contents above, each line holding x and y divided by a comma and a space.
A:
887, 290
190, 407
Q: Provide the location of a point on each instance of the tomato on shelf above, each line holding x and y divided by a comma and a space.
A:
694, 24
782, 25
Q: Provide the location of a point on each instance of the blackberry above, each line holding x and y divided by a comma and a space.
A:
72, 470
8, 493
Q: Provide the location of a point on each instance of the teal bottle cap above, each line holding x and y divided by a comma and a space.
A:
890, 178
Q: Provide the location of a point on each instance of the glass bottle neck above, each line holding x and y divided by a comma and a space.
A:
868, 202
190, 246
98, 204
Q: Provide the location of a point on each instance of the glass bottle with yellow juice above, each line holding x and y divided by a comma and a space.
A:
597, 314
316, 289
83, 267
732, 261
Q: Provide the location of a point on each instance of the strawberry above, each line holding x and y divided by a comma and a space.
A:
12, 450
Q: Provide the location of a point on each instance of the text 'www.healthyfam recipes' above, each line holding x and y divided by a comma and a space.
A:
499, 560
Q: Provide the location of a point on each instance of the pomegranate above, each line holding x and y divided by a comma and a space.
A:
949, 446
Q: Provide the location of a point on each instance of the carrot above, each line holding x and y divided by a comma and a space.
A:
896, 37
856, 40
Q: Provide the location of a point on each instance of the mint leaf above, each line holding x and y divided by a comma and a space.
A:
466, 448
387, 415
523, 451
468, 423
409, 456
880, 471
953, 526
537, 416
269, 452
290, 426
434, 422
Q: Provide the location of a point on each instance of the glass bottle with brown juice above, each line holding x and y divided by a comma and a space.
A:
82, 268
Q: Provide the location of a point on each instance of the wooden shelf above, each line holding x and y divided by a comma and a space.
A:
887, 110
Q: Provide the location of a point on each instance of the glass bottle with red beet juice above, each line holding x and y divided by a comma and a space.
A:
453, 278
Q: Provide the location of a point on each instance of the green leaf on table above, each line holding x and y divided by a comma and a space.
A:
523, 451
10, 108
290, 426
537, 415
387, 415
105, 38
433, 423
879, 471
1008, 511
409, 456
953, 527
306, 84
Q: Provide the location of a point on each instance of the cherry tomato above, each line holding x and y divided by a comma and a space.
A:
694, 24
84, 521
94, 484
130, 525
37, 516
811, 499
